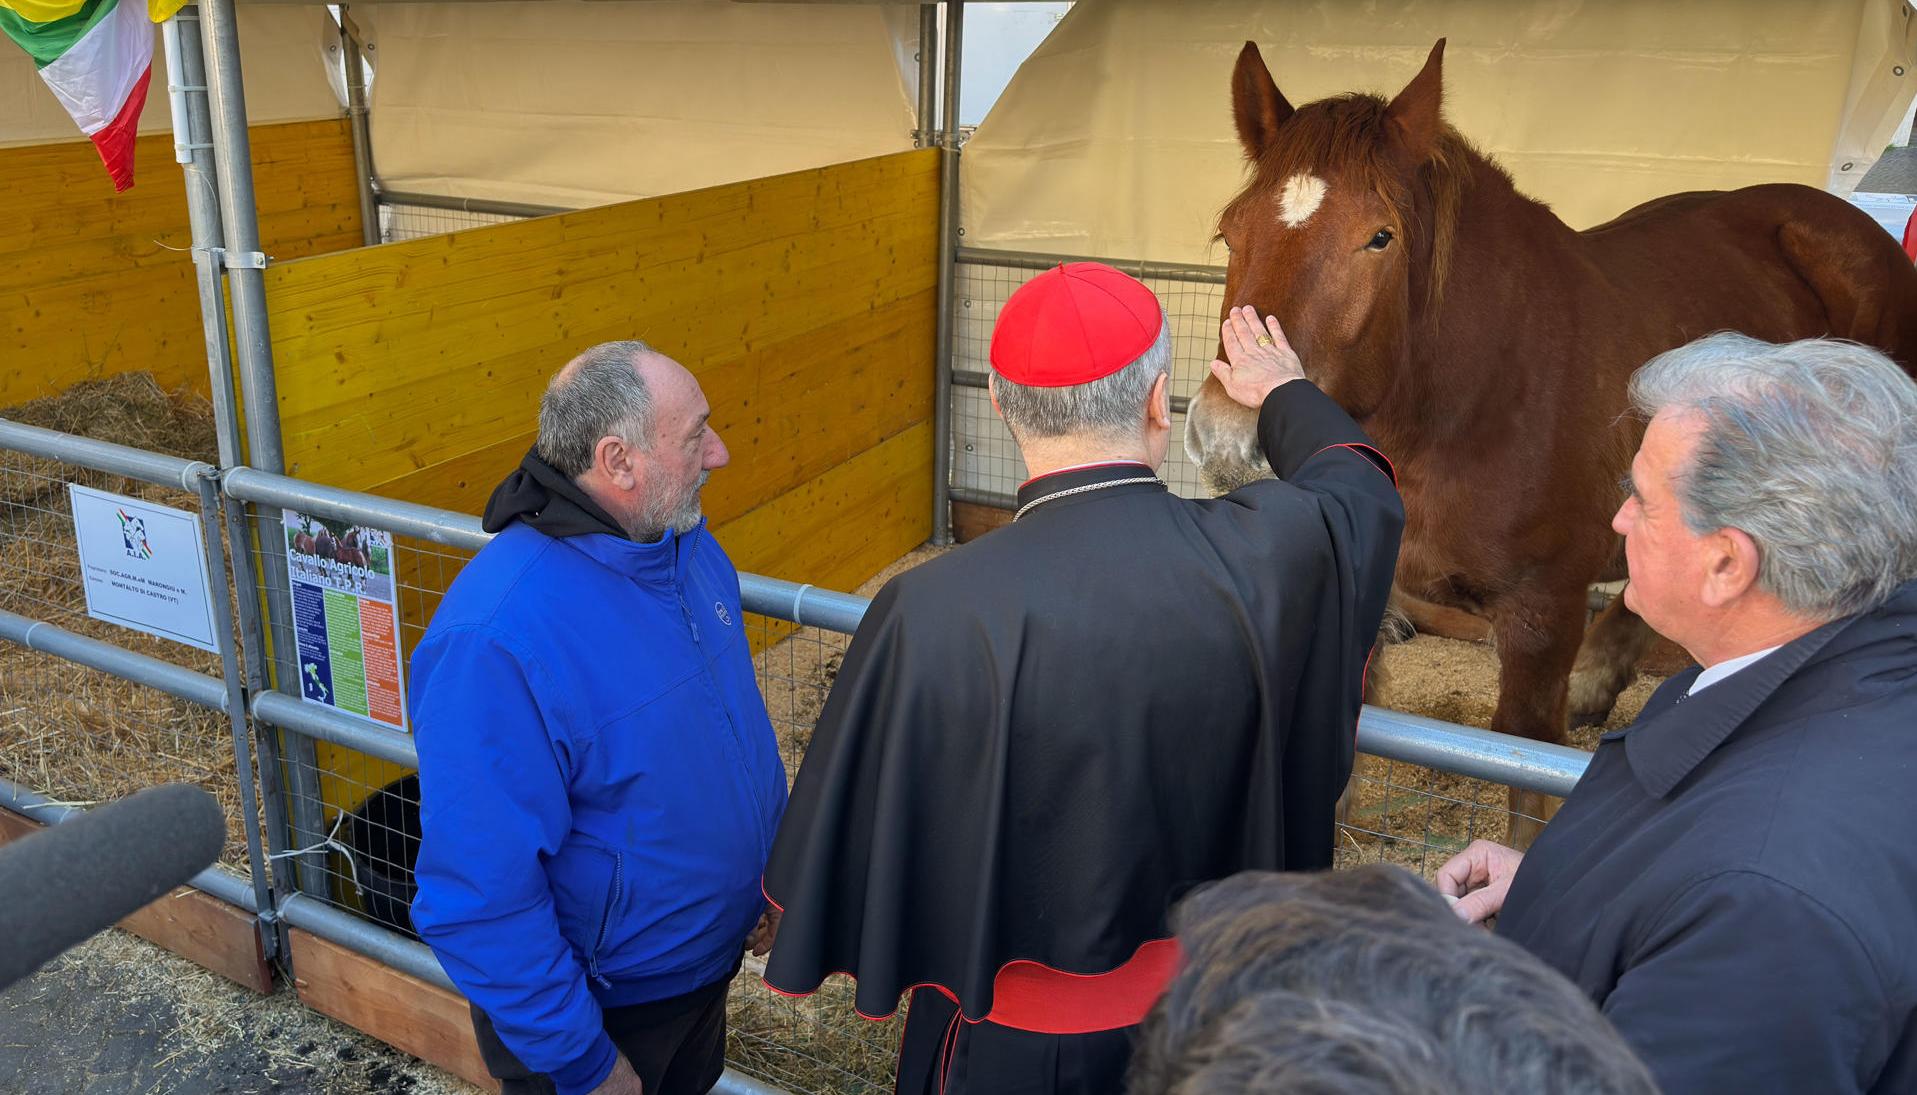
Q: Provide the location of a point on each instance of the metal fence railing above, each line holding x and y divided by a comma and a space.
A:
93, 711
360, 829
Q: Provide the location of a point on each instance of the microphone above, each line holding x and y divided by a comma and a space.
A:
60, 886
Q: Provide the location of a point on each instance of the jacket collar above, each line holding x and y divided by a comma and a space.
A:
660, 562
1666, 745
1055, 483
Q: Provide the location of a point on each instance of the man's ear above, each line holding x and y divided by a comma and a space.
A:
1158, 403
616, 462
991, 389
1735, 560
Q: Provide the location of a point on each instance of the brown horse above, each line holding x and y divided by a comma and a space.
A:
1486, 347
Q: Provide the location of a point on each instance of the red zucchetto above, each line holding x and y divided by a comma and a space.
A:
1074, 324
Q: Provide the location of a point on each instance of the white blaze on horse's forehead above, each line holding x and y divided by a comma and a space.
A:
1301, 197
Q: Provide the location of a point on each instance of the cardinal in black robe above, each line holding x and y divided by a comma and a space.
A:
1038, 742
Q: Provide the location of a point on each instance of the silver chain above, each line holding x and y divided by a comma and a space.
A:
1026, 508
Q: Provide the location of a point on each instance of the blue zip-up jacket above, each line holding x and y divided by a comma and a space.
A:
599, 784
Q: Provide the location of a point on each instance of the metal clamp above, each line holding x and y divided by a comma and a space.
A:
244, 260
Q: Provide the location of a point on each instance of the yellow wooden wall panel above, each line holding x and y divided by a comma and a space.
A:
806, 304
397, 361
94, 283
790, 412
845, 526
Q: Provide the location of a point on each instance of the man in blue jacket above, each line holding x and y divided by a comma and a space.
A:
1734, 879
599, 782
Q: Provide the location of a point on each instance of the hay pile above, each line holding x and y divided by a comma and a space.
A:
75, 734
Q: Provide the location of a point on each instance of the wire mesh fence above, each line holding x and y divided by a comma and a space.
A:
984, 459
354, 818
400, 221
76, 734
1415, 817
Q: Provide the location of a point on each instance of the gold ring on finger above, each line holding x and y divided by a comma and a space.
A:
1265, 340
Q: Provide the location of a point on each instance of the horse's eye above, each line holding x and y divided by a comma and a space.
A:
1380, 241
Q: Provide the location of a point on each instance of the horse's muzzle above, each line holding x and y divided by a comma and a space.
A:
1221, 438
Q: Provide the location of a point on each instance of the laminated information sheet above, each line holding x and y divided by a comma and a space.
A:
346, 618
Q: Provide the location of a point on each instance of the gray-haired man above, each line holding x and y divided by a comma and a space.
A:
598, 779
1734, 880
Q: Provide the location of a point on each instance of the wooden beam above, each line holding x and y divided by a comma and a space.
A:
406, 1013
193, 925
971, 520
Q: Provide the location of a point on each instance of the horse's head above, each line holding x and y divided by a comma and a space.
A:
1328, 236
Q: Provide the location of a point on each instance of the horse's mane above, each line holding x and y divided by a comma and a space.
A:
1346, 134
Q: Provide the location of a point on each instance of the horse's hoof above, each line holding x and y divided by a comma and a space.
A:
1594, 716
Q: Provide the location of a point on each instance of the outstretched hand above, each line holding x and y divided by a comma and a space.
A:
1258, 357
1478, 878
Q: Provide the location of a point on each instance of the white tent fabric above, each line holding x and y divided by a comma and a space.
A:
570, 103
1116, 136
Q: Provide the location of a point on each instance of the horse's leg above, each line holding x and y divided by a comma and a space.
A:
1606, 663
1536, 634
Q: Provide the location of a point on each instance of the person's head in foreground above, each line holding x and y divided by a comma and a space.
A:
1362, 982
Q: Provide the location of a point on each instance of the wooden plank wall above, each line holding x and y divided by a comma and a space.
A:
805, 303
94, 283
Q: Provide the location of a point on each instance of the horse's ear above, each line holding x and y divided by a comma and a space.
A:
1256, 103
1414, 113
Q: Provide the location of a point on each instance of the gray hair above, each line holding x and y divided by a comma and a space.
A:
600, 395
1810, 448
1363, 982
1109, 406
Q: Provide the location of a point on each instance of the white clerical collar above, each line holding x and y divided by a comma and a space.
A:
1724, 669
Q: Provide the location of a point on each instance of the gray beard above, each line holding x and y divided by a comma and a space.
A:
675, 515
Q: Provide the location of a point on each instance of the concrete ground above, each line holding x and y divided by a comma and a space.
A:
119, 1016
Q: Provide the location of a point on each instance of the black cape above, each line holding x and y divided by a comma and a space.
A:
1038, 742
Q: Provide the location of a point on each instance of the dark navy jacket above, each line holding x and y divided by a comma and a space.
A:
599, 784
1734, 879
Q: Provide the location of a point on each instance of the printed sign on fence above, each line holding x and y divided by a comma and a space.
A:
346, 618
143, 566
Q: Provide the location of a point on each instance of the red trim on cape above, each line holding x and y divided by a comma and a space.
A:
1034, 997
1083, 467
1361, 450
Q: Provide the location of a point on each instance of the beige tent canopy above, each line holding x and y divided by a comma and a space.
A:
1115, 138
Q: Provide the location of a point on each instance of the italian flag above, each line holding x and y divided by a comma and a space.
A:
97, 56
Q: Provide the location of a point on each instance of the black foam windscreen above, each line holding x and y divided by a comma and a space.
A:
60, 886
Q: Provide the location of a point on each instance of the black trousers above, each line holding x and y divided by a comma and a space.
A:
942, 1054
677, 1046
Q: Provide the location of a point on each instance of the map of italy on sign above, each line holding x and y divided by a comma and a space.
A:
345, 617
143, 566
